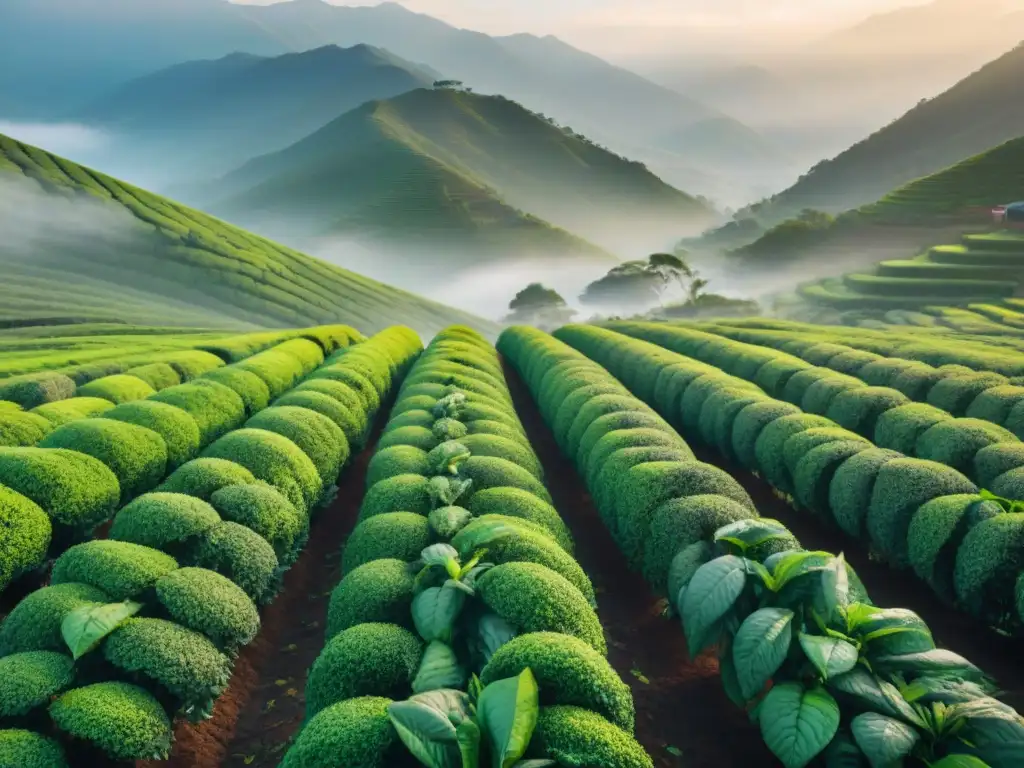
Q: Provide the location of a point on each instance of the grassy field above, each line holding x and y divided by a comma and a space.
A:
113, 252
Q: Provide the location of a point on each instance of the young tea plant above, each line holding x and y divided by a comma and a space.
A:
824, 672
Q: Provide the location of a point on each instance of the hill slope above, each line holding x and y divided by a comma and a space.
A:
79, 245
216, 114
979, 112
429, 160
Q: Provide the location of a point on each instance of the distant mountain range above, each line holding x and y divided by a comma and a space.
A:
461, 168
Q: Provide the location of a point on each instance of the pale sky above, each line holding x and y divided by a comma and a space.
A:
555, 16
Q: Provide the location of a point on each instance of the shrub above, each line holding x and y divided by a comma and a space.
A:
364, 660
995, 403
335, 390
401, 493
394, 461
768, 450
915, 382
576, 736
136, 455
955, 393
899, 428
697, 394
956, 442
750, 422
936, 532
204, 477
418, 437
179, 430
398, 535
44, 388
647, 486
251, 388
1015, 421
617, 467
156, 375
28, 680
274, 459
180, 660
489, 472
217, 409
278, 369
25, 533
800, 444
526, 544
356, 732
849, 492
264, 510
123, 720
568, 671
718, 416
19, 428
1010, 485
801, 381
988, 564
209, 603
63, 411
882, 372
616, 422
515, 502
119, 388
595, 408
352, 424
533, 598
815, 470
858, 409
316, 435
679, 522
989, 463
34, 623
121, 569
774, 375
379, 591
164, 521
357, 382
496, 428
27, 749
516, 452
243, 556
902, 486
413, 418
819, 396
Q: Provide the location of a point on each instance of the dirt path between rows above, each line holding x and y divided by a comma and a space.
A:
683, 716
264, 705
996, 654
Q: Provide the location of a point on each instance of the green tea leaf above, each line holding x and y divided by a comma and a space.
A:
507, 712
830, 655
439, 668
448, 521
711, 593
453, 704
835, 587
797, 724
684, 565
492, 633
439, 554
745, 534
426, 733
929, 662
85, 628
883, 741
871, 693
435, 610
468, 736
760, 647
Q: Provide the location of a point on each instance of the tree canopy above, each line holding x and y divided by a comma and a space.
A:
642, 283
539, 306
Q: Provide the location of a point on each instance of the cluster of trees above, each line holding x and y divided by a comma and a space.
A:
790, 237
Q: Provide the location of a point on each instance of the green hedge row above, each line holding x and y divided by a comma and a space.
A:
672, 514
196, 556
898, 404
914, 513
532, 607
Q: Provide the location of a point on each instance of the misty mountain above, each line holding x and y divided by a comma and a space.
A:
212, 116
457, 164
981, 111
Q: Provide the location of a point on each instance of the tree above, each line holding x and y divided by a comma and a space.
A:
639, 284
539, 306
450, 85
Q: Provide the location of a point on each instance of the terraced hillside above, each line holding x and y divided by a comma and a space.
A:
86, 247
458, 164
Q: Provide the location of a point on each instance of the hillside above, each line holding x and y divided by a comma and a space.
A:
980, 112
216, 114
448, 161
80, 246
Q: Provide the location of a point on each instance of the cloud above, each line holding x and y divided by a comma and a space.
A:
67, 139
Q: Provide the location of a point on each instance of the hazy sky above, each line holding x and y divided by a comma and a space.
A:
504, 16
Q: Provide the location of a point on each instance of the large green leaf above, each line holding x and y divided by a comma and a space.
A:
492, 632
482, 534
843, 752
797, 723
435, 610
710, 595
895, 632
830, 655
730, 682
426, 733
468, 736
835, 588
439, 554
800, 563
507, 712
937, 660
960, 761
883, 740
994, 729
745, 534
684, 565
439, 668
869, 692
759, 648
453, 704
84, 628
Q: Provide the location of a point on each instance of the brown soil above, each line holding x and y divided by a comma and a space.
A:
680, 705
264, 705
997, 654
